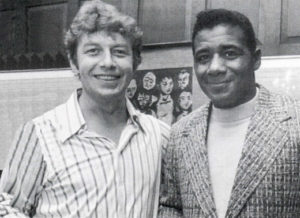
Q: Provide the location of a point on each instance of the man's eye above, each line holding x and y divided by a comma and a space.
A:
120, 52
92, 51
231, 54
203, 58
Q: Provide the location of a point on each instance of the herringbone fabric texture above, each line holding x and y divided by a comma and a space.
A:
267, 181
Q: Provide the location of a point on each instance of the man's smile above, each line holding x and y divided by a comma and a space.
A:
217, 82
107, 77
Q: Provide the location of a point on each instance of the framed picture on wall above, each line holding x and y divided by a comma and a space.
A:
163, 93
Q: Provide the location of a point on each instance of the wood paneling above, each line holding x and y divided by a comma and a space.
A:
31, 3
38, 25
276, 22
293, 27
193, 8
31, 33
6, 36
73, 7
19, 31
7, 5
116, 3
163, 21
168, 21
269, 26
131, 7
31, 60
290, 27
46, 26
250, 8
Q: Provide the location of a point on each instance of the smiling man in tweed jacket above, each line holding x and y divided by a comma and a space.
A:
237, 156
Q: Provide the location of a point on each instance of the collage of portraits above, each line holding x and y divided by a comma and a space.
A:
164, 93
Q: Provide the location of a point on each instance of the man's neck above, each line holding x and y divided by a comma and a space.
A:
103, 113
239, 112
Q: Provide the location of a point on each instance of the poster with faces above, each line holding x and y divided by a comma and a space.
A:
163, 93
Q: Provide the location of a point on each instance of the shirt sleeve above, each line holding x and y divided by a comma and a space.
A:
23, 174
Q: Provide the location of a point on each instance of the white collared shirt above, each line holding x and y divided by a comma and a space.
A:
57, 168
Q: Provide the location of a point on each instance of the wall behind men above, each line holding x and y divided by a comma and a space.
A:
24, 95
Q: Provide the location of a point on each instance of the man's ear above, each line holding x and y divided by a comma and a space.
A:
73, 66
257, 58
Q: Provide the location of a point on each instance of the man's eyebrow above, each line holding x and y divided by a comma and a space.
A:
202, 50
231, 46
125, 45
90, 44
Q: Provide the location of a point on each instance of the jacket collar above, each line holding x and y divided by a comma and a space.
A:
267, 128
266, 136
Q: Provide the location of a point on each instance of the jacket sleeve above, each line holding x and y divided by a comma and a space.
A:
22, 176
170, 199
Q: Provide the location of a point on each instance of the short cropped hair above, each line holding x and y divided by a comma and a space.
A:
211, 18
94, 16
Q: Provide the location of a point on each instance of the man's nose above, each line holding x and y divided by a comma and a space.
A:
217, 65
107, 60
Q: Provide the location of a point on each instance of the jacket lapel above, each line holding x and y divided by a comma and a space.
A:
266, 136
196, 160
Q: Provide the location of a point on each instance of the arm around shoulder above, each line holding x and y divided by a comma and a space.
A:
23, 174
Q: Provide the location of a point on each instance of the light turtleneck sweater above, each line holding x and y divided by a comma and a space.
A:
226, 135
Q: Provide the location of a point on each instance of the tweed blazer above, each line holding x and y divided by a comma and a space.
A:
267, 181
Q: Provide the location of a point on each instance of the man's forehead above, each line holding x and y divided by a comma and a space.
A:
222, 26
97, 37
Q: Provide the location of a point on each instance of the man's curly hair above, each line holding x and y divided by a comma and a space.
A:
94, 16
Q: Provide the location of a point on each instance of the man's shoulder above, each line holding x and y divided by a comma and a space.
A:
149, 121
280, 101
287, 103
50, 115
278, 105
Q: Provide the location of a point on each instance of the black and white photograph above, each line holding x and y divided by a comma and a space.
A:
149, 108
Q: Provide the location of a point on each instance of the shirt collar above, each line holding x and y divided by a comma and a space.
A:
71, 119
134, 114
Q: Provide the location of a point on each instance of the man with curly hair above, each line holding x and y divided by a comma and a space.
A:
95, 155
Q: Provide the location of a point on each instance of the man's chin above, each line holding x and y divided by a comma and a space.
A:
222, 101
111, 95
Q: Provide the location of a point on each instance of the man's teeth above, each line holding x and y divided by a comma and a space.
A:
107, 77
